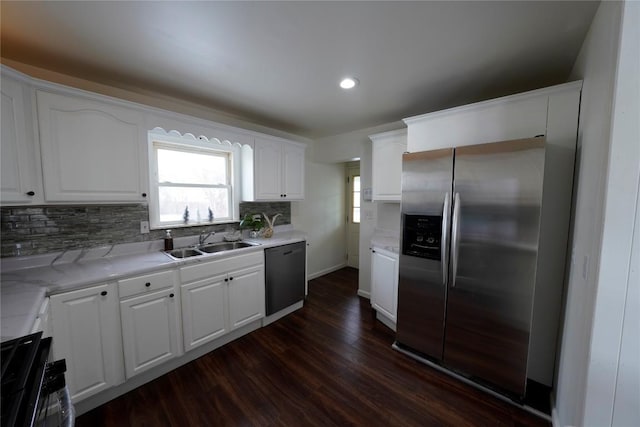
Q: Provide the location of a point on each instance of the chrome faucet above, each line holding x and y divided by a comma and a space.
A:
202, 238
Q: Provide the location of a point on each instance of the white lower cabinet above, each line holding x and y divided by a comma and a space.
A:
87, 333
220, 296
384, 282
112, 332
246, 296
204, 311
150, 330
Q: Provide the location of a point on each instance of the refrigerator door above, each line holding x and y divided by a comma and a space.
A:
427, 179
495, 230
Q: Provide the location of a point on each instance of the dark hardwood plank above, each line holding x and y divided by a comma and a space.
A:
328, 364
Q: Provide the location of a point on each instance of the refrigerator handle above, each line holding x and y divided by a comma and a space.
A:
444, 240
455, 238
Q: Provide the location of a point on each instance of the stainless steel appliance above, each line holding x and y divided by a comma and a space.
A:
284, 275
469, 252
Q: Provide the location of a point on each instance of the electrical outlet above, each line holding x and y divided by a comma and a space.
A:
144, 227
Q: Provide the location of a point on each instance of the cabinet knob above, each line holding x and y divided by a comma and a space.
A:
226, 280
147, 284
230, 278
103, 293
170, 295
31, 193
144, 194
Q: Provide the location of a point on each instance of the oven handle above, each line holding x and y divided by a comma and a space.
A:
67, 410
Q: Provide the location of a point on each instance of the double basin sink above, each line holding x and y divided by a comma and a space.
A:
210, 248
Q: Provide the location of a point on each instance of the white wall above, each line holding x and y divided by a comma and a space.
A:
345, 147
596, 65
321, 216
613, 372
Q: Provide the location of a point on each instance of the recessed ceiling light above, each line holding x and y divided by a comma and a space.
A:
348, 83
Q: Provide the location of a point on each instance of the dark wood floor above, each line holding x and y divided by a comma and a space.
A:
328, 364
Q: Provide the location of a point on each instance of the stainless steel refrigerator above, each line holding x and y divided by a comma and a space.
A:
469, 248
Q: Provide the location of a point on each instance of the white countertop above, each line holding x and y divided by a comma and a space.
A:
386, 239
26, 281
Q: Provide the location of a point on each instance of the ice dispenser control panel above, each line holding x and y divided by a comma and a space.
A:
421, 236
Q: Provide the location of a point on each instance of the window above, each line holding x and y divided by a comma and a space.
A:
191, 185
355, 215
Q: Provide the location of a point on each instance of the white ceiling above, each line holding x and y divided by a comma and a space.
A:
278, 63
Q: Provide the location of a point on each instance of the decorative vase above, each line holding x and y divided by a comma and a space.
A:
267, 232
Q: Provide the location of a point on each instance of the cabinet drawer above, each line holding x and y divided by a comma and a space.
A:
147, 283
213, 268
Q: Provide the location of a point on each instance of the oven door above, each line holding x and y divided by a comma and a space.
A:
34, 392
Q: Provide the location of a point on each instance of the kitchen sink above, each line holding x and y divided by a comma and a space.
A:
184, 253
211, 248
225, 246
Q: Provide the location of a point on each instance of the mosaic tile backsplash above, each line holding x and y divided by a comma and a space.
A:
43, 229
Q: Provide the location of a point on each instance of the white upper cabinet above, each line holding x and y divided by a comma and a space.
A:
92, 151
20, 176
293, 172
524, 115
275, 171
386, 168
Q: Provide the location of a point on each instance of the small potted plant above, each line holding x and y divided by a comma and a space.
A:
254, 223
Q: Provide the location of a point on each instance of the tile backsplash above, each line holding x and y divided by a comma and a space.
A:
43, 229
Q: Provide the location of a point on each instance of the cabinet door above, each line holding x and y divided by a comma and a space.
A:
293, 172
386, 167
204, 311
86, 330
17, 154
384, 280
268, 170
246, 296
91, 151
150, 330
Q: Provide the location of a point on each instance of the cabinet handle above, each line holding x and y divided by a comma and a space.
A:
226, 280
144, 194
31, 193
170, 295
147, 284
103, 293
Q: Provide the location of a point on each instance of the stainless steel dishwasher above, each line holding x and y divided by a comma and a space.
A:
284, 275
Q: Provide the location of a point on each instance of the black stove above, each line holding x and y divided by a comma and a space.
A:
29, 381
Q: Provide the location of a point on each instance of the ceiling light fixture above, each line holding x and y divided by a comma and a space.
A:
349, 83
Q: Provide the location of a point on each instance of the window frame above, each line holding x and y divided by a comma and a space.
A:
190, 145
353, 199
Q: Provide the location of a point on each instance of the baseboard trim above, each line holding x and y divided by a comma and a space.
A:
326, 271
386, 321
364, 294
555, 417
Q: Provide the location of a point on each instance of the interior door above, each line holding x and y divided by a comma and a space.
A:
494, 247
353, 214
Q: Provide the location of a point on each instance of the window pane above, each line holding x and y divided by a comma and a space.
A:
356, 183
173, 200
356, 199
356, 215
191, 168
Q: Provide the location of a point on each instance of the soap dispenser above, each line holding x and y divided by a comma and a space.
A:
168, 241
